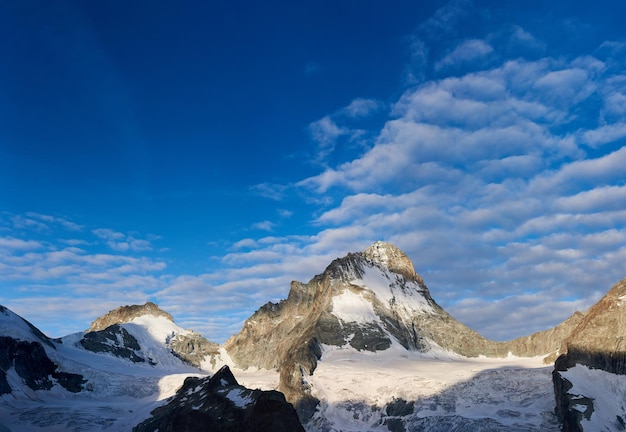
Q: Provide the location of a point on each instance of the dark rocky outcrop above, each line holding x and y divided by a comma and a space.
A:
219, 403
33, 365
115, 340
598, 343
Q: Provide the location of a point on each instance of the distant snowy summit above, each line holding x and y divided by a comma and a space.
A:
113, 332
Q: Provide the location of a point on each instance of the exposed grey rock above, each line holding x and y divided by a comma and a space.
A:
193, 348
399, 407
115, 340
125, 314
220, 403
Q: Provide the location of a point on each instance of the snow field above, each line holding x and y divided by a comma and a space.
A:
354, 387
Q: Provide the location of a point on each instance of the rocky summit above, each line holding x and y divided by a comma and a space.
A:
125, 314
108, 334
367, 300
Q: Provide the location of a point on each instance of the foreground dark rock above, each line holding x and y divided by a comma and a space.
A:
597, 342
219, 403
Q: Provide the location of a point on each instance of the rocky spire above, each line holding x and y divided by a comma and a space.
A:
391, 257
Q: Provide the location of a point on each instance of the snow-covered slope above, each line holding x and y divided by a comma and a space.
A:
16, 327
116, 393
434, 391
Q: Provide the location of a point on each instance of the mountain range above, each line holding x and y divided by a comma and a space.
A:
361, 346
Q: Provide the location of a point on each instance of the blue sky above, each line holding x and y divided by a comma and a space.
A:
202, 156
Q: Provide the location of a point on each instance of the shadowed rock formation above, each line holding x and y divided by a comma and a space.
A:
598, 342
219, 403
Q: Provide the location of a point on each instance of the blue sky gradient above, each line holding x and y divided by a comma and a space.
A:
202, 156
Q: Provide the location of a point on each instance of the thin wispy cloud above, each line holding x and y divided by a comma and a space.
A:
468, 51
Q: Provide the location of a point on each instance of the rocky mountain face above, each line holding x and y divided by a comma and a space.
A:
107, 334
220, 403
23, 352
597, 342
115, 340
366, 300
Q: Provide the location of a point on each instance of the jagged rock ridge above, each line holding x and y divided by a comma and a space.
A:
367, 300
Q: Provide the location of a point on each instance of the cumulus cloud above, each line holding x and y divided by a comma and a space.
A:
605, 134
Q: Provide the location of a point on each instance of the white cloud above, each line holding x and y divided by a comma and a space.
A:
121, 242
264, 225
444, 21
360, 108
15, 244
108, 234
272, 191
325, 131
468, 51
605, 134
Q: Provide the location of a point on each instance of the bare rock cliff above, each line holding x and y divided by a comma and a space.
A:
598, 342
